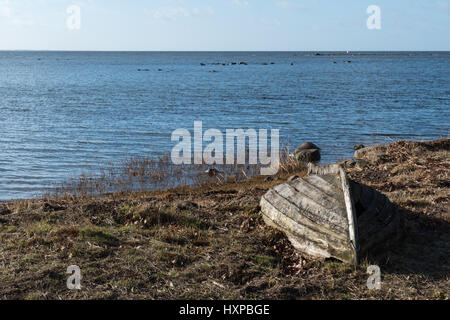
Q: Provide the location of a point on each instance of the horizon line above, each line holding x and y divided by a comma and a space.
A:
344, 51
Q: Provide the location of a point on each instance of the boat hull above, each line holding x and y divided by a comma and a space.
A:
327, 215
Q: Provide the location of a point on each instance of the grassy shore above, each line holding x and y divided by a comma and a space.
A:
210, 242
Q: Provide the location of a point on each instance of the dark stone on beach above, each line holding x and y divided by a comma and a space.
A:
292, 178
358, 147
307, 145
308, 155
307, 152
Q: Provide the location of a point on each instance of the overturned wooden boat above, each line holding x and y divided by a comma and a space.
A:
327, 215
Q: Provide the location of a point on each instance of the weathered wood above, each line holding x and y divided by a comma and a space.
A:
284, 207
351, 215
327, 184
305, 236
331, 169
327, 215
316, 194
332, 218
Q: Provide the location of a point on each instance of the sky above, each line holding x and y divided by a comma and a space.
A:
224, 25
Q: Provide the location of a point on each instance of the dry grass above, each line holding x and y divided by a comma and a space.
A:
143, 174
208, 241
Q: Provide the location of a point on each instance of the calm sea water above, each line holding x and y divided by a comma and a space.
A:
62, 113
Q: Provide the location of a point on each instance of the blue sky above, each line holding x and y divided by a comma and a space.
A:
225, 25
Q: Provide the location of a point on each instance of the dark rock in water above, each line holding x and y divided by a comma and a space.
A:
143, 70
272, 63
202, 64
292, 63
308, 145
212, 71
317, 54
307, 155
243, 63
160, 70
264, 64
233, 63
358, 147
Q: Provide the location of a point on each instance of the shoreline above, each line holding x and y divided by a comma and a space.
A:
50, 192
210, 242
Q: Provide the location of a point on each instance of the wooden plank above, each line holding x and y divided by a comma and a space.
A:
313, 210
300, 238
317, 170
286, 207
306, 226
314, 193
325, 186
352, 227
303, 238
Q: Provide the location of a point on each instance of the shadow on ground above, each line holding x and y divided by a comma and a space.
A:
424, 248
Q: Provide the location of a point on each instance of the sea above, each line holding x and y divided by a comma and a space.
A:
66, 113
